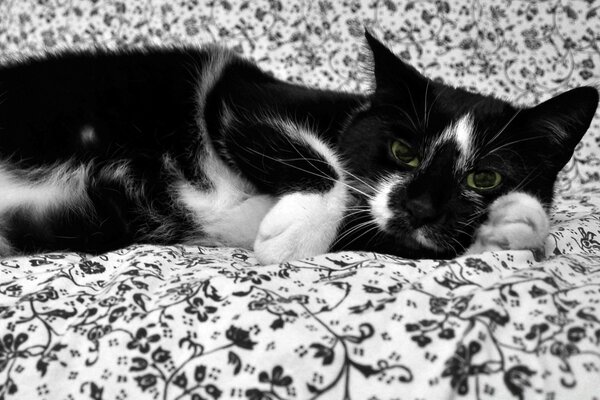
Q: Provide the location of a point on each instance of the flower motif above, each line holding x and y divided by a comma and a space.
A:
142, 341
197, 307
255, 277
585, 74
9, 348
459, 367
277, 378
588, 63
240, 337
422, 340
478, 264
437, 305
91, 267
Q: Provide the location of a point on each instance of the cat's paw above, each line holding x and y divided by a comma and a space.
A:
300, 225
516, 221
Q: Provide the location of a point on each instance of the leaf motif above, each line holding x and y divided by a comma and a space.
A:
64, 314
58, 347
116, 314
587, 316
242, 293
140, 285
211, 292
372, 289
312, 388
42, 367
427, 322
213, 391
366, 370
233, 358
359, 309
138, 364
570, 12
139, 301
277, 324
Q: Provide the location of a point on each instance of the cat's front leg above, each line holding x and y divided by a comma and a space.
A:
288, 160
516, 221
300, 225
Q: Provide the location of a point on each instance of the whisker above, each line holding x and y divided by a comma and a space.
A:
352, 230
504, 127
363, 234
345, 171
311, 173
425, 121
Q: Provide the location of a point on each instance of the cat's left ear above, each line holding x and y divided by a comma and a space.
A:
564, 119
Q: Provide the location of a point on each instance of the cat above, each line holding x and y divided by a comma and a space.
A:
103, 149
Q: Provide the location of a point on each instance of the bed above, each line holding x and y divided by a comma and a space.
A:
186, 322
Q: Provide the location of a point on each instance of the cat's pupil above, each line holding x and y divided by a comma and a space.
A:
403, 153
485, 179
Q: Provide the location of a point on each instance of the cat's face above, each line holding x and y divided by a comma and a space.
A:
430, 159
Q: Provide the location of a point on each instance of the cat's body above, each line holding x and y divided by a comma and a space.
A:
101, 150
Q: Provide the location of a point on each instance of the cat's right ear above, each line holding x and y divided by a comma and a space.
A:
391, 73
563, 120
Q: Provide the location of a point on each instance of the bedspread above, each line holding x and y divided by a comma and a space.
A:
184, 322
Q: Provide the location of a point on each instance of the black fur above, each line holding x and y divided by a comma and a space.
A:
151, 120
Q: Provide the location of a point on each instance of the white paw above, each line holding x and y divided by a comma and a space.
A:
516, 221
300, 225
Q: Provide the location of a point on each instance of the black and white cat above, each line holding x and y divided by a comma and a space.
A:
99, 150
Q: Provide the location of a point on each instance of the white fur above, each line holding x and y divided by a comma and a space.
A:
461, 133
88, 136
56, 187
420, 235
303, 224
300, 225
379, 203
516, 221
230, 210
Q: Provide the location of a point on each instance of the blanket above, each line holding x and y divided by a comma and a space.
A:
189, 322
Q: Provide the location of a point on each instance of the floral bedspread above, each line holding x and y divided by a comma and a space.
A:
150, 322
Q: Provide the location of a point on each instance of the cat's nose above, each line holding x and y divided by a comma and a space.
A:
421, 210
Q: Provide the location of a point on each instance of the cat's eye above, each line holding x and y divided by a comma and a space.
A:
404, 153
484, 180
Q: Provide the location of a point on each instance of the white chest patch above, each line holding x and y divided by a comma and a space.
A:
229, 213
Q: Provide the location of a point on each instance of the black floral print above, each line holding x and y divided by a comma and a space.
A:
200, 323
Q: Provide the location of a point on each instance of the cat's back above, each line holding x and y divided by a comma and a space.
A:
74, 103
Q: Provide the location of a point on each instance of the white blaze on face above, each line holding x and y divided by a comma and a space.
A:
461, 133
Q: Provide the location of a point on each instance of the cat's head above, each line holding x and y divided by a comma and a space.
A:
432, 157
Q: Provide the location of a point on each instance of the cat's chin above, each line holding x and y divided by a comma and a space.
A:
420, 244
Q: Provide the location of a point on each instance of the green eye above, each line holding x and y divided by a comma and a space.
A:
404, 153
483, 180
